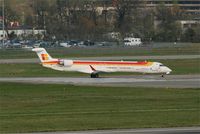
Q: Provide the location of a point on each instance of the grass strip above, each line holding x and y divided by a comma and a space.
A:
48, 107
104, 51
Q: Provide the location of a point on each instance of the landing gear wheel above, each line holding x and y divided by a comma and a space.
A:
94, 75
162, 75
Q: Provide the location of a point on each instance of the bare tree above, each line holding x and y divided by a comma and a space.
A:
169, 28
9, 16
125, 11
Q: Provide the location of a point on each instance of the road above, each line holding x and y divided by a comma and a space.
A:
170, 81
184, 130
36, 60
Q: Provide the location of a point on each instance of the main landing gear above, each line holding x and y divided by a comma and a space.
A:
94, 75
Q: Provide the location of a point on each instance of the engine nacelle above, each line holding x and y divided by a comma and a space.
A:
66, 63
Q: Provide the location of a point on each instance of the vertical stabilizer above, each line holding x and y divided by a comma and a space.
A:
42, 54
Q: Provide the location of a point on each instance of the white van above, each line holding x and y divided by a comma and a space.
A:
129, 41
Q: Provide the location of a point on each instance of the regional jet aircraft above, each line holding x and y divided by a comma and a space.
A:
95, 67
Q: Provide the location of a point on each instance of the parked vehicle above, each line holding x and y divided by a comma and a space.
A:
129, 41
88, 43
65, 44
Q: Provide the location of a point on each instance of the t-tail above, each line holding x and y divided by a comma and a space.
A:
43, 55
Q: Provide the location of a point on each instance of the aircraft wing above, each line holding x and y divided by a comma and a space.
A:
91, 69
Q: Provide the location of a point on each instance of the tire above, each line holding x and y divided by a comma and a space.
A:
94, 75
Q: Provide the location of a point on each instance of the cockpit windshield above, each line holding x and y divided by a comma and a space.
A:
161, 65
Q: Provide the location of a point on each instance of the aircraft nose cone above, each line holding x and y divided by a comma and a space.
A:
168, 70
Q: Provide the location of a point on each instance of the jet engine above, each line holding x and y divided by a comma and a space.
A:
66, 63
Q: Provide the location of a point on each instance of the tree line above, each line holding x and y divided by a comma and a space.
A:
92, 19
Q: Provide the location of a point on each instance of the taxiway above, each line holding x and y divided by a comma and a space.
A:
36, 60
170, 81
183, 130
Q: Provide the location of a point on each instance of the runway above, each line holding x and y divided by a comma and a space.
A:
184, 130
36, 60
170, 81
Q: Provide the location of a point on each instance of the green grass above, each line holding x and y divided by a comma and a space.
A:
32, 70
91, 52
187, 66
33, 108
183, 66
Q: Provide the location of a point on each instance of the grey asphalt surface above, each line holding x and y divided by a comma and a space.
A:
184, 130
169, 81
36, 60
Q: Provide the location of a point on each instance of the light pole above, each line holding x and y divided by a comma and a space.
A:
45, 13
3, 15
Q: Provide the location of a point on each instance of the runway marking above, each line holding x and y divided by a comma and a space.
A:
98, 112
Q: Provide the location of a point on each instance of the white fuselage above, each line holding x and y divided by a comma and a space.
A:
110, 66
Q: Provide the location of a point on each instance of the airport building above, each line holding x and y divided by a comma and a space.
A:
189, 6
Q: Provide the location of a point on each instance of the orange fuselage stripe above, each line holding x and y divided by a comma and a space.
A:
124, 63
142, 63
